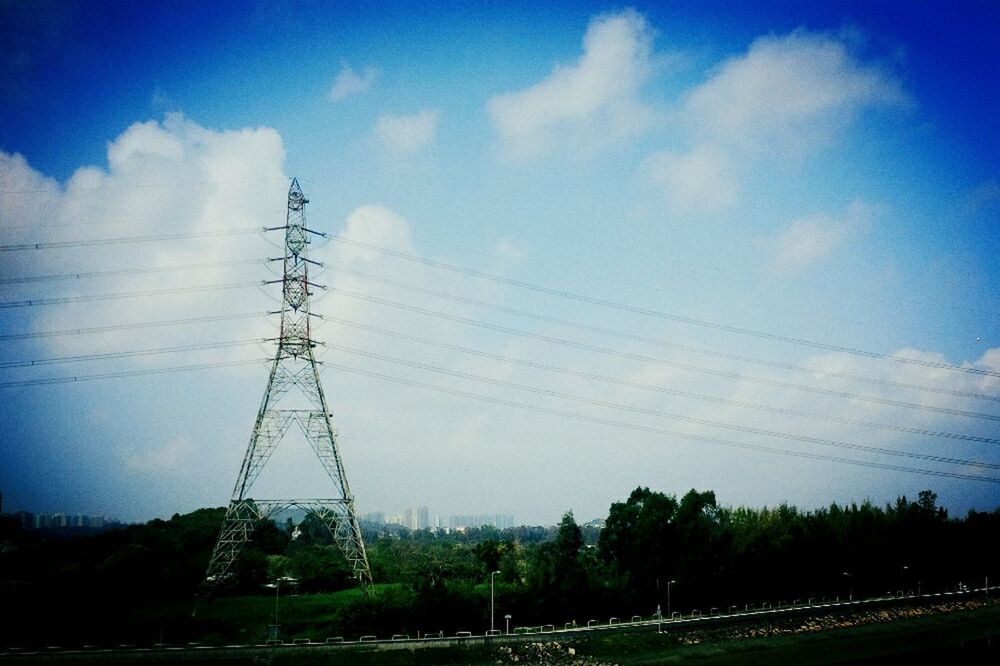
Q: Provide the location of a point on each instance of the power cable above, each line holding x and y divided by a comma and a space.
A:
125, 354
661, 389
149, 185
663, 343
661, 414
130, 220
127, 294
126, 373
652, 359
774, 337
660, 431
28, 279
127, 327
48, 245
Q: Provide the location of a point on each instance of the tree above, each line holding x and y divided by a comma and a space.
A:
557, 577
639, 540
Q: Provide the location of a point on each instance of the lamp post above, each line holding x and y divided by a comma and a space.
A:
492, 574
850, 578
669, 583
277, 593
507, 617
902, 580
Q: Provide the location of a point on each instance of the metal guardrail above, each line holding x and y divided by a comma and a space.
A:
676, 620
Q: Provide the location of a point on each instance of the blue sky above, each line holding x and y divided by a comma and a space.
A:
827, 174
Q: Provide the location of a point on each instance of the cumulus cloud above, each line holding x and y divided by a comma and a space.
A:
587, 105
787, 93
811, 239
704, 180
350, 83
173, 178
374, 224
28, 197
786, 97
407, 134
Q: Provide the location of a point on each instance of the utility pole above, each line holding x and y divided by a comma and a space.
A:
492, 574
293, 395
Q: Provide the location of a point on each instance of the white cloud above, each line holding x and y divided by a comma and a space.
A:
376, 225
790, 93
811, 239
28, 198
590, 104
786, 96
173, 178
407, 134
349, 83
701, 181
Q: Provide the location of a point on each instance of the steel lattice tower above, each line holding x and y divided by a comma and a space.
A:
294, 367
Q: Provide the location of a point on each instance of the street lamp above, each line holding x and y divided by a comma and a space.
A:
507, 617
850, 578
277, 592
492, 574
669, 583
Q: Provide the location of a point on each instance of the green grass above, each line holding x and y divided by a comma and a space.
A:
316, 616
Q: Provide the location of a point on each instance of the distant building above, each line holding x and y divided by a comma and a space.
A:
375, 517
500, 521
48, 521
94, 521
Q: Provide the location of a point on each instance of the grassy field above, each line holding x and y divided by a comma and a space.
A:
245, 619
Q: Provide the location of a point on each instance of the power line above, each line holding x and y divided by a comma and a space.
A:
774, 337
126, 294
150, 185
664, 343
48, 245
126, 354
28, 279
126, 373
129, 220
870, 291
652, 359
660, 431
126, 327
662, 389
661, 414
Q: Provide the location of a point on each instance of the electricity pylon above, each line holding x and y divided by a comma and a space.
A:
294, 367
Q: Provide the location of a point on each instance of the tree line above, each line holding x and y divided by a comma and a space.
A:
654, 550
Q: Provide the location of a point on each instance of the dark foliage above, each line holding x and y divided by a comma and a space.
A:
703, 554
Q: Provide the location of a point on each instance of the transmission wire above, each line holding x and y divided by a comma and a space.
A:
661, 361
660, 389
775, 337
658, 431
663, 343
